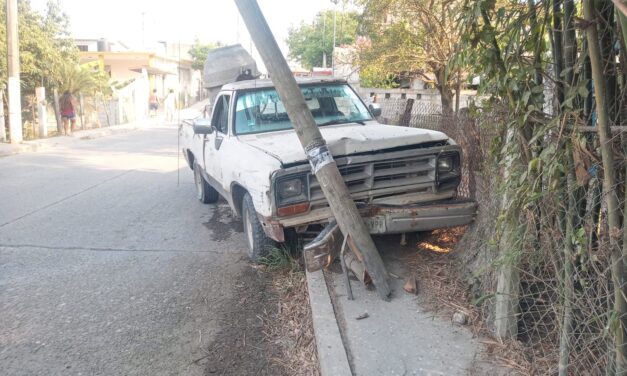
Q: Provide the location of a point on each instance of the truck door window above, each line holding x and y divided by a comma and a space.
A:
221, 115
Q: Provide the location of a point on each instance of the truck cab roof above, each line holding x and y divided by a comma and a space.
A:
267, 83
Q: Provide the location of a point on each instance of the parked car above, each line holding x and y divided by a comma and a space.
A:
402, 179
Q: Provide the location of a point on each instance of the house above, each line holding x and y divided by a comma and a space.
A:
134, 74
91, 45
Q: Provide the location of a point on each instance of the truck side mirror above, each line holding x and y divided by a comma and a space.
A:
375, 109
202, 126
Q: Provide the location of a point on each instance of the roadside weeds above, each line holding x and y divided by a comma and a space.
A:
440, 288
290, 327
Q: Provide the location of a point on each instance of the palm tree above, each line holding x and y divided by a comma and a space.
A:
82, 79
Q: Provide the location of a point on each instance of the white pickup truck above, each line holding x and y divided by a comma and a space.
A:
402, 179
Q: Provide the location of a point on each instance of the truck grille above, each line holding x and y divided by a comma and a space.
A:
374, 179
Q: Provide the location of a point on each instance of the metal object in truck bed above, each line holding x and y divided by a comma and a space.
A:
224, 64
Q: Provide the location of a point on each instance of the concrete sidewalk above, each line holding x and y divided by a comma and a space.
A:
390, 338
7, 149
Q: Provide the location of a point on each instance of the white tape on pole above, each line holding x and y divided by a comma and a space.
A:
319, 157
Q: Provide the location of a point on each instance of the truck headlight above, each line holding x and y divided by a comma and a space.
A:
448, 164
291, 190
448, 170
445, 164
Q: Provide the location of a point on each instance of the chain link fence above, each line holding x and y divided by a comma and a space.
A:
565, 316
461, 127
566, 299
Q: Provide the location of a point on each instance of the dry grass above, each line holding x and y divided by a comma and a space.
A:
443, 292
290, 325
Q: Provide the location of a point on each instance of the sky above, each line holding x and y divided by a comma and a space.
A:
130, 21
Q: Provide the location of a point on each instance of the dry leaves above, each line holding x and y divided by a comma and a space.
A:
444, 292
291, 326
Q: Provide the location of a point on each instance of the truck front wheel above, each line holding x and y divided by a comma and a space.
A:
204, 192
256, 240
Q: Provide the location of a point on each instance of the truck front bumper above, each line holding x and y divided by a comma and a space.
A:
382, 219
388, 219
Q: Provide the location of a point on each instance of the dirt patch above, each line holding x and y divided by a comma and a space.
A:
240, 348
431, 261
434, 261
223, 223
289, 326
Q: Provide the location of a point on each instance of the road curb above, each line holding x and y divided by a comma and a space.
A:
12, 149
331, 352
104, 132
51, 142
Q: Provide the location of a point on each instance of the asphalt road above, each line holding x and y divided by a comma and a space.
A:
108, 264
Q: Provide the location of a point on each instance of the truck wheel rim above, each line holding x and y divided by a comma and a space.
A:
249, 232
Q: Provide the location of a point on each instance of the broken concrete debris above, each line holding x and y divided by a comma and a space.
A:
411, 285
460, 318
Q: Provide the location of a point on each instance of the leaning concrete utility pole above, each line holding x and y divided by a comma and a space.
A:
13, 65
322, 164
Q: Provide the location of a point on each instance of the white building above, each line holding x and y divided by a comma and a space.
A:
135, 74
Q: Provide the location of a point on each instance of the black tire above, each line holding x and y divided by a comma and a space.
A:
204, 192
257, 242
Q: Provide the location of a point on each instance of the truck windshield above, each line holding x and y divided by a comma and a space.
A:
262, 110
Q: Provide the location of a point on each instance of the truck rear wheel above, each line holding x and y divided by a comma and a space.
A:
204, 192
256, 240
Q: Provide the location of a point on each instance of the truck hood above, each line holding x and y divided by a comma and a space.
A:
343, 139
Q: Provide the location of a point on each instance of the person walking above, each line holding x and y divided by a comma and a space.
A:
170, 105
68, 112
153, 103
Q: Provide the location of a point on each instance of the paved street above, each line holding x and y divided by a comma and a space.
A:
108, 266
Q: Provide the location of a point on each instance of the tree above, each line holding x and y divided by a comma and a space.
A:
45, 45
308, 42
48, 55
418, 37
86, 79
506, 43
56, 27
199, 53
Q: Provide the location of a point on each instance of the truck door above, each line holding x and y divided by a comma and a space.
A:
213, 141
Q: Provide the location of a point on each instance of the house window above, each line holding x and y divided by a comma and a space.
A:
82, 48
418, 96
387, 95
403, 96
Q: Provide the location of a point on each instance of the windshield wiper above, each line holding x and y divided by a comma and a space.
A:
341, 121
